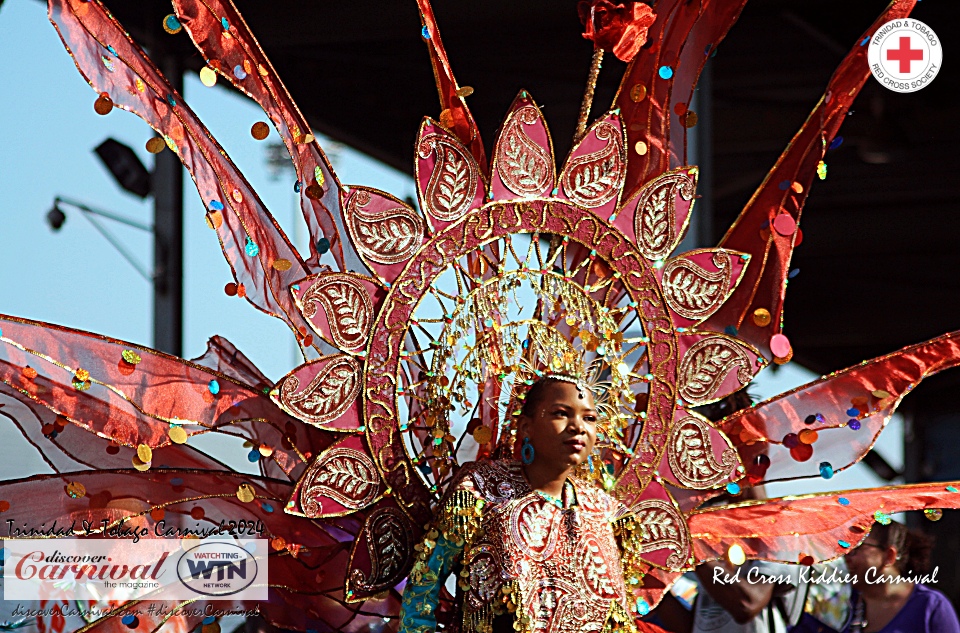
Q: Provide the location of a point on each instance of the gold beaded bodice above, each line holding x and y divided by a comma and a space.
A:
556, 569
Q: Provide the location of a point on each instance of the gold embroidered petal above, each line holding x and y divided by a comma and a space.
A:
698, 282
384, 229
339, 308
595, 172
342, 479
387, 536
523, 155
333, 383
453, 182
661, 212
713, 366
692, 456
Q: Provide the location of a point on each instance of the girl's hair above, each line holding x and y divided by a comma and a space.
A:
913, 546
535, 393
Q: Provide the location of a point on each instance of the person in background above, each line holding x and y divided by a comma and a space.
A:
887, 596
748, 602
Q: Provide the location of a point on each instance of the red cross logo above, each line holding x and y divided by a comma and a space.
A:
905, 54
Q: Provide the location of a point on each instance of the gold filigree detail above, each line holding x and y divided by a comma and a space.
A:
534, 529
329, 394
690, 454
694, 292
389, 544
385, 237
453, 180
655, 219
524, 166
656, 524
706, 365
594, 179
347, 306
343, 474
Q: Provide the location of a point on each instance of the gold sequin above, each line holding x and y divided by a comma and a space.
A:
214, 219
464, 91
177, 435
245, 493
482, 434
761, 317
76, 489
260, 130
103, 105
208, 76
145, 453
641, 148
638, 93
156, 145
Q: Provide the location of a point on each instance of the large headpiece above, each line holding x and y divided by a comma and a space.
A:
503, 271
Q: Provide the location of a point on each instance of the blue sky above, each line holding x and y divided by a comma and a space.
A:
48, 130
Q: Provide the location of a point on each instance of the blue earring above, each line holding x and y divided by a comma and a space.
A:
526, 451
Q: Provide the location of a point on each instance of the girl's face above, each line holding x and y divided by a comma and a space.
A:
563, 427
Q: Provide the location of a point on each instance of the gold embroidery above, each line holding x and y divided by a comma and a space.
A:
388, 536
345, 475
453, 179
525, 168
329, 394
594, 179
693, 292
655, 218
347, 306
385, 237
706, 365
654, 524
690, 454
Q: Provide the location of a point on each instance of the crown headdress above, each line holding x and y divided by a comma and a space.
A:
503, 270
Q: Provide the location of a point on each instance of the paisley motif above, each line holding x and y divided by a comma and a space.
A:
327, 396
691, 457
592, 180
533, 524
390, 236
453, 179
663, 527
347, 306
706, 365
597, 572
346, 475
525, 168
655, 220
484, 570
694, 292
390, 545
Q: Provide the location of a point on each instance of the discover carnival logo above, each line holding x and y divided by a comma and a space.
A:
904, 55
161, 569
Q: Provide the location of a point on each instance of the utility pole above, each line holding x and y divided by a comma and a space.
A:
168, 235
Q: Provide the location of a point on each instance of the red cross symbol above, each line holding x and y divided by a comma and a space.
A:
905, 54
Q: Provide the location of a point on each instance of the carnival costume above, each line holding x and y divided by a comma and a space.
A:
508, 268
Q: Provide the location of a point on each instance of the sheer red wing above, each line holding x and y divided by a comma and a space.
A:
261, 256
129, 396
452, 97
301, 554
767, 226
230, 48
834, 421
810, 528
664, 74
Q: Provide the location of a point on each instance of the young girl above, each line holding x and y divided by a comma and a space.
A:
532, 546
